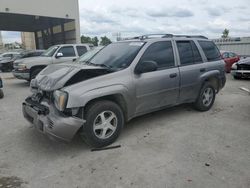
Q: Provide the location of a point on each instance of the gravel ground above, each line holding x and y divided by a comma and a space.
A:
174, 148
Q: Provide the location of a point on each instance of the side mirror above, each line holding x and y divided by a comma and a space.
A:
146, 66
58, 55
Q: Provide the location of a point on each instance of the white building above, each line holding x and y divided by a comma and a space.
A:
239, 45
1, 41
28, 40
51, 21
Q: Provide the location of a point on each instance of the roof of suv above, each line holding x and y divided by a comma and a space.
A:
164, 36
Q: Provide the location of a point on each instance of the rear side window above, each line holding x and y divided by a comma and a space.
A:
8, 55
67, 51
211, 51
161, 53
232, 55
188, 52
81, 50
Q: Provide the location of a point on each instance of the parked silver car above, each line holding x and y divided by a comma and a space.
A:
124, 80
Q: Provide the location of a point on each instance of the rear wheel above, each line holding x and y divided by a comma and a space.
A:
104, 122
206, 98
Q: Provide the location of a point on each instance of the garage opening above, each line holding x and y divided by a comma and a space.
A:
48, 31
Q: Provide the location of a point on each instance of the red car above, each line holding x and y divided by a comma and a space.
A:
230, 58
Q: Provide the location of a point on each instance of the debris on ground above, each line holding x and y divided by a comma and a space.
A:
207, 164
106, 148
11, 182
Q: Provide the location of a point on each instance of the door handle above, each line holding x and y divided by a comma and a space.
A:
173, 75
202, 70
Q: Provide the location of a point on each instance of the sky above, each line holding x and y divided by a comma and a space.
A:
138, 17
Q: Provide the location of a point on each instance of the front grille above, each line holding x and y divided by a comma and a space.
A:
50, 124
243, 67
48, 95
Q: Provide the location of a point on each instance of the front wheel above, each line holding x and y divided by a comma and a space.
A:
206, 98
237, 77
104, 122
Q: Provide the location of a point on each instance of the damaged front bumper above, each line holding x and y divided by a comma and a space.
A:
23, 75
241, 73
48, 120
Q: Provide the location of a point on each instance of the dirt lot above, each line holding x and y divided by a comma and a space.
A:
173, 148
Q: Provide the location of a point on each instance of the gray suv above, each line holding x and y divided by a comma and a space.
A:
124, 80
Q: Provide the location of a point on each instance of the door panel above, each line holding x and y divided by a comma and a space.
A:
190, 81
156, 89
191, 67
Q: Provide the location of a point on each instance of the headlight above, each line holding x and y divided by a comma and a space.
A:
60, 99
22, 66
234, 66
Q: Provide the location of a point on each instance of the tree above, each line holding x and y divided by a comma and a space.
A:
95, 41
225, 33
85, 39
105, 41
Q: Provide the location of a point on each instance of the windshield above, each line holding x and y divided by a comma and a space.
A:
50, 52
88, 55
117, 55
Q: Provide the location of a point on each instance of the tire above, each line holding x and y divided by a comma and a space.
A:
34, 73
1, 94
206, 98
237, 77
98, 134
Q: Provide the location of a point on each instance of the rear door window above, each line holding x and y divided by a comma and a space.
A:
211, 51
161, 53
188, 53
81, 50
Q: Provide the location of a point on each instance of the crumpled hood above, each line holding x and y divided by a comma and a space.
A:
54, 77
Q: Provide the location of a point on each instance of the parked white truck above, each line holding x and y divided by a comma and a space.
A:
28, 68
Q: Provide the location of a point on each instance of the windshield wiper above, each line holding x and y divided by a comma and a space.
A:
98, 65
104, 65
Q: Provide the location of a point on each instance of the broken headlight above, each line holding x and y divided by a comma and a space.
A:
22, 67
60, 99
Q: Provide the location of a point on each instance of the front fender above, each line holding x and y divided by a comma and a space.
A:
80, 100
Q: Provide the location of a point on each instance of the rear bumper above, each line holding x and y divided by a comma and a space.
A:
49, 121
23, 75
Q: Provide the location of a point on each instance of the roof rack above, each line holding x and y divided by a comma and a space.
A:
149, 36
190, 36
